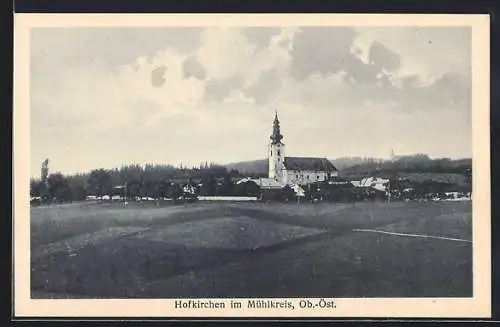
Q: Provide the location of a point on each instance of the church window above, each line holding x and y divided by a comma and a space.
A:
278, 152
307, 176
317, 177
271, 152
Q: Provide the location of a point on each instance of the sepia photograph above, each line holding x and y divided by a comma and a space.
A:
281, 164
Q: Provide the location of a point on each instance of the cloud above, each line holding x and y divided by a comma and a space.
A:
210, 88
267, 85
255, 71
225, 53
261, 36
113, 46
424, 52
157, 76
383, 57
321, 50
193, 68
219, 89
450, 91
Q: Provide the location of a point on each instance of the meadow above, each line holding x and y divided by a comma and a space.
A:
252, 249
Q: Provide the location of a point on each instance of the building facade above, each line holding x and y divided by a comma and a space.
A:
295, 170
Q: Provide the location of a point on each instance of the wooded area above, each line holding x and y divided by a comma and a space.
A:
419, 172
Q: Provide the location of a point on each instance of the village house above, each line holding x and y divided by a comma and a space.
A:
377, 183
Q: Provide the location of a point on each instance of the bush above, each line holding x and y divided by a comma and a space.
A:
248, 188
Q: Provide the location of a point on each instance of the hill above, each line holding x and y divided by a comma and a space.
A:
260, 166
359, 166
250, 168
411, 164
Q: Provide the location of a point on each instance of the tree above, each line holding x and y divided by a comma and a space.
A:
248, 188
39, 189
59, 187
468, 176
162, 189
77, 186
208, 186
99, 182
234, 173
287, 193
315, 191
45, 170
35, 187
133, 189
79, 193
174, 191
148, 188
226, 188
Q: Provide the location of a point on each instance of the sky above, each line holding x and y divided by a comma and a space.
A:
104, 97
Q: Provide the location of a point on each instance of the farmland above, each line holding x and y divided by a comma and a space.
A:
232, 249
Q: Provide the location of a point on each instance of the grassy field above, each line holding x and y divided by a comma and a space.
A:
251, 249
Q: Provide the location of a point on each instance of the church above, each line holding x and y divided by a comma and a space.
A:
293, 170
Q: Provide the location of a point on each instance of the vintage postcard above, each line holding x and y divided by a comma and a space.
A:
245, 165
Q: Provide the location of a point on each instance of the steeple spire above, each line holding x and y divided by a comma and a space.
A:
276, 136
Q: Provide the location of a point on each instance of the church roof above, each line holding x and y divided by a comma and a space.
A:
302, 163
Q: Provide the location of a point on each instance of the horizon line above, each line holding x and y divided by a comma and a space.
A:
178, 166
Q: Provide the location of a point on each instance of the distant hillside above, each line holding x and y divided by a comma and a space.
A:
346, 162
354, 166
411, 164
455, 179
253, 167
260, 166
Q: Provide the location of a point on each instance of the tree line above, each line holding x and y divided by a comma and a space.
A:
131, 181
167, 181
411, 164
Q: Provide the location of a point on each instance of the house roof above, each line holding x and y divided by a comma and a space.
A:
304, 163
340, 179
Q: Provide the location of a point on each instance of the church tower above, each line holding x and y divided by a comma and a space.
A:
276, 152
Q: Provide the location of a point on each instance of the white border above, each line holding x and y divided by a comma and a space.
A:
479, 306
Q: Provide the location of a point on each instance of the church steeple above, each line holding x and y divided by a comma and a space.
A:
276, 137
276, 152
